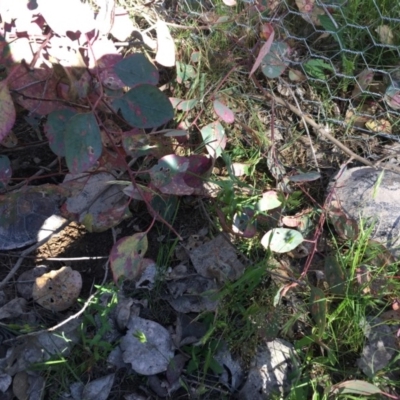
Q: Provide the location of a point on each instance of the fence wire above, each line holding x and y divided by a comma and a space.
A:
348, 52
350, 55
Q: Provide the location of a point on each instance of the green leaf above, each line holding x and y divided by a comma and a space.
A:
329, 26
187, 105
83, 144
274, 64
54, 128
316, 68
355, 387
281, 240
318, 308
145, 106
214, 138
269, 201
184, 72
135, 70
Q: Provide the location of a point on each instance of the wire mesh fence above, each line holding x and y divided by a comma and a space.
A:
350, 55
347, 52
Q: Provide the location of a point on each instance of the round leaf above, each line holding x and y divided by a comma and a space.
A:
269, 201
54, 129
126, 256
145, 106
224, 112
135, 70
281, 240
273, 64
82, 142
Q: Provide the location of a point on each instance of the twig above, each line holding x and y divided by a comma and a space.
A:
320, 129
37, 173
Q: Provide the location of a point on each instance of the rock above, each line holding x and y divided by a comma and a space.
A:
380, 347
269, 375
372, 194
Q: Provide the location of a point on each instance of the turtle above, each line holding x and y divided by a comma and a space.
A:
23, 213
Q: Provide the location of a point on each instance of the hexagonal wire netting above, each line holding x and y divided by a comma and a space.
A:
349, 52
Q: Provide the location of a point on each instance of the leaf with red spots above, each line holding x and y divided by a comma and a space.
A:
145, 106
82, 142
224, 112
135, 70
199, 165
169, 173
126, 257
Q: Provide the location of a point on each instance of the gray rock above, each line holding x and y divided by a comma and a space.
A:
380, 347
269, 375
364, 192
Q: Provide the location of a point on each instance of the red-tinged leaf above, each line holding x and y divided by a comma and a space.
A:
318, 308
165, 45
126, 256
136, 69
145, 106
54, 128
274, 64
5, 171
7, 114
169, 173
266, 31
138, 192
244, 224
291, 221
37, 84
198, 166
83, 144
263, 52
214, 138
224, 112
355, 387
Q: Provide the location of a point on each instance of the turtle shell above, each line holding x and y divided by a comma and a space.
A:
23, 213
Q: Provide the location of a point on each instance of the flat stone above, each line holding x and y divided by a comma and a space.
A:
269, 375
373, 195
